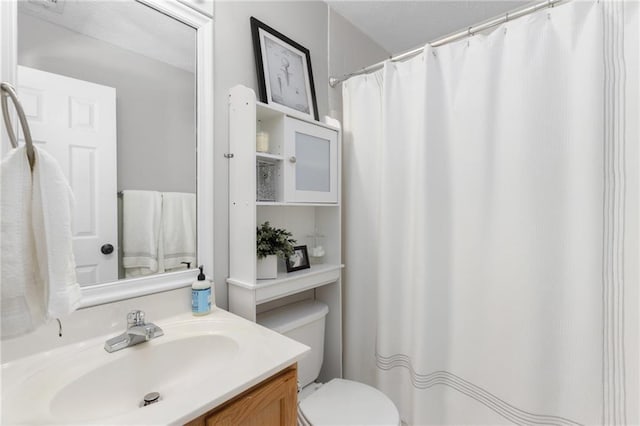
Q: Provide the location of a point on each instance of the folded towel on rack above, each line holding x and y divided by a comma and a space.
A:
38, 267
141, 215
178, 230
51, 220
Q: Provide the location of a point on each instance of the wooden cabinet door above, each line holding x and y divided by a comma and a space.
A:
272, 403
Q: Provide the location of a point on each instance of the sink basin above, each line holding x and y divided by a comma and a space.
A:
197, 365
119, 386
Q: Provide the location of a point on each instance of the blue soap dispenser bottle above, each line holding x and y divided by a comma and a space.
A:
201, 295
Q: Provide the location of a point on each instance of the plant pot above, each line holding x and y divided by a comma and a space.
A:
267, 268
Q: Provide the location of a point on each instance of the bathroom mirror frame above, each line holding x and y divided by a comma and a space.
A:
203, 25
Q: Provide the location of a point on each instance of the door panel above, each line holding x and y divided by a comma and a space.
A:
75, 121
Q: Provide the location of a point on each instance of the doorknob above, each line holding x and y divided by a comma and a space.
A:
106, 249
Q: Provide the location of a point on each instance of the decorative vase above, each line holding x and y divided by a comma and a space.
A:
267, 267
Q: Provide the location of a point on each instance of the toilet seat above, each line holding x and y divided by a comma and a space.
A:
345, 402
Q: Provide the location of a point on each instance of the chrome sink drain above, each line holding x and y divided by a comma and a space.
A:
150, 398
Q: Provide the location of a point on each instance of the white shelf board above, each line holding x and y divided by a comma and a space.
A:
268, 156
291, 283
281, 204
268, 112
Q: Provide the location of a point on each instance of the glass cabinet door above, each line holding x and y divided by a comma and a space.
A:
311, 159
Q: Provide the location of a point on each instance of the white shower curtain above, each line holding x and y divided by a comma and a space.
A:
491, 224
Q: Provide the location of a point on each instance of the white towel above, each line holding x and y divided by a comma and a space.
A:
38, 267
52, 210
141, 213
22, 310
178, 230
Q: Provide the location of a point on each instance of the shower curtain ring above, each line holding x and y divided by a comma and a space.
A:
469, 33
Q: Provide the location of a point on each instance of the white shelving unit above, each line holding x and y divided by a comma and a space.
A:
267, 156
249, 296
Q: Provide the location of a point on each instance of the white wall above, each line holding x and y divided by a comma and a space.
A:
155, 102
349, 50
309, 23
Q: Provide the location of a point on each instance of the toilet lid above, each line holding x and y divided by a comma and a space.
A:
344, 402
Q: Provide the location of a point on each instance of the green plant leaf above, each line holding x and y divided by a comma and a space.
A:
270, 240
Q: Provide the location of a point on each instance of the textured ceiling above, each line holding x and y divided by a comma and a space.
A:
399, 25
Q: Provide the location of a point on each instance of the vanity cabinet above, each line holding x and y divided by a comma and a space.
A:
302, 162
270, 403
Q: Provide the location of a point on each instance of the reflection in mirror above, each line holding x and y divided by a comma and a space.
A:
109, 89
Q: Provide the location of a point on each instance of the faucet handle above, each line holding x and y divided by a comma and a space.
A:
135, 318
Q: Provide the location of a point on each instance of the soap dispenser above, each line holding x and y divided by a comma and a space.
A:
201, 294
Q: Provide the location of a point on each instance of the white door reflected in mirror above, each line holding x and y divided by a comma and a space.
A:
79, 131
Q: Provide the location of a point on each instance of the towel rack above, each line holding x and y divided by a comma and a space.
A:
7, 91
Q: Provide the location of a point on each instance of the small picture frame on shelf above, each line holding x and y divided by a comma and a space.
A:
284, 70
298, 260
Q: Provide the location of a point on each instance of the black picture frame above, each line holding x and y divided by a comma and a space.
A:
299, 260
291, 85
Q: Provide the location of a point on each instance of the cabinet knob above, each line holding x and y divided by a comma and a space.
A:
292, 159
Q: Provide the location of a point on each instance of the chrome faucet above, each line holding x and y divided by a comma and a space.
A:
138, 331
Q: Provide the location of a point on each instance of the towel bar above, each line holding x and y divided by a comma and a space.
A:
7, 91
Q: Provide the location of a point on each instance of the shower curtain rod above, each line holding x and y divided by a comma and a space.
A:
509, 16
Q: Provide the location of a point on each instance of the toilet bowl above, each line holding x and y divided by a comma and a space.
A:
339, 401
345, 402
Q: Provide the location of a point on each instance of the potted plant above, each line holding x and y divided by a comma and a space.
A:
271, 243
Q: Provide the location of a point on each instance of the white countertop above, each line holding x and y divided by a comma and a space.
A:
238, 354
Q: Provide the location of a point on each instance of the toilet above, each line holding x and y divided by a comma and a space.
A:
338, 402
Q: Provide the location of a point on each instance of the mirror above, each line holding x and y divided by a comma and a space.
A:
110, 90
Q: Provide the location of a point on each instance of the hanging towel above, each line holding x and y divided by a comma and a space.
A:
178, 230
52, 208
38, 267
141, 213
22, 310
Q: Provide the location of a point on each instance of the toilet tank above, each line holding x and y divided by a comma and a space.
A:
303, 322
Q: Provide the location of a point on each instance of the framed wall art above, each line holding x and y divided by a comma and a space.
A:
284, 70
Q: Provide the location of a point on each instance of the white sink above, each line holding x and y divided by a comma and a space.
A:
119, 386
197, 364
